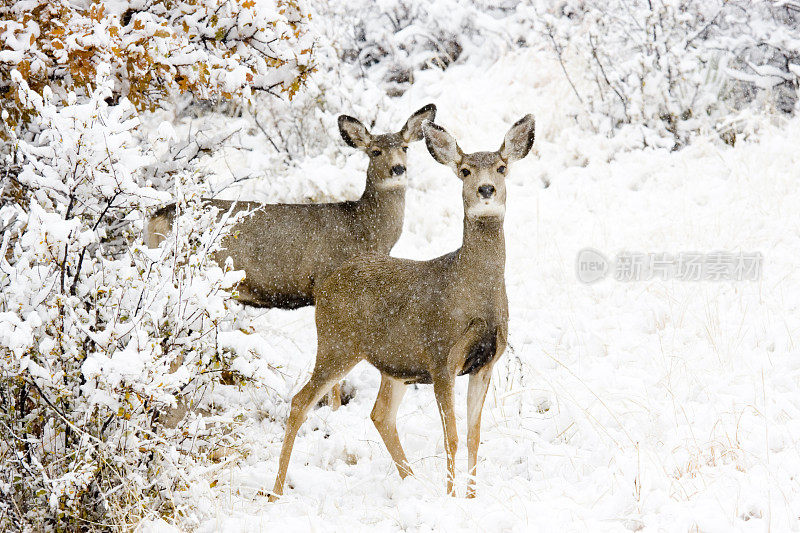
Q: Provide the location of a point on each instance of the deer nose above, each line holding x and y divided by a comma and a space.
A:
487, 191
398, 169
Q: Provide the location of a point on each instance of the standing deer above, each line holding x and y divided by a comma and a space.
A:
423, 321
286, 250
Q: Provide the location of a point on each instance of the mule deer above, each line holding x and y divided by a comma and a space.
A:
423, 321
287, 249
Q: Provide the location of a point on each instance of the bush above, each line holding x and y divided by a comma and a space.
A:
100, 337
676, 66
212, 49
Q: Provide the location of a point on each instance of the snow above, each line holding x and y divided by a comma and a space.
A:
656, 405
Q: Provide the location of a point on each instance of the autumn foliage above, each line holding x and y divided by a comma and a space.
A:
211, 49
100, 338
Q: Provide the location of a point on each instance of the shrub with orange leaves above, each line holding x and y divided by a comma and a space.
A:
213, 49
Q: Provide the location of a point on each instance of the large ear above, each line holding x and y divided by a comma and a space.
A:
353, 132
519, 139
442, 146
412, 130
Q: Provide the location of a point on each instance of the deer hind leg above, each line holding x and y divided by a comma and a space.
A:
328, 370
384, 416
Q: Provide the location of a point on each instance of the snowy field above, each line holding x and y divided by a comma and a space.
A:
656, 405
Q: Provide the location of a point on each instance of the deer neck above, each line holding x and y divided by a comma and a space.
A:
380, 210
481, 260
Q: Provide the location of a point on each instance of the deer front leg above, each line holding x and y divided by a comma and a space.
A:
443, 383
478, 385
334, 397
443, 389
476, 395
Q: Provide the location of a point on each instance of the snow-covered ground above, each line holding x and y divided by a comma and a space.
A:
657, 405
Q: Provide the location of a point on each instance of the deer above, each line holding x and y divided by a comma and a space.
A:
285, 250
422, 322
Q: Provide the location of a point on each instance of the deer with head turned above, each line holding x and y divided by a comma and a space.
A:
285, 250
423, 321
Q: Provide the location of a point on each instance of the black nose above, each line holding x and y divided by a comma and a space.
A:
487, 191
398, 169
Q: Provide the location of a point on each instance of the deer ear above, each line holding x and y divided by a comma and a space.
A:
353, 132
442, 146
519, 139
412, 130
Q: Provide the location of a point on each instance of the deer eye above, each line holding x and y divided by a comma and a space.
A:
501, 169
405, 148
465, 172
376, 153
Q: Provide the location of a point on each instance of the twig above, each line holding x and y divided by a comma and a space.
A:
61, 415
559, 50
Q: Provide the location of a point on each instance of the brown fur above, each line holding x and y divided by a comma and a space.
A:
285, 250
422, 321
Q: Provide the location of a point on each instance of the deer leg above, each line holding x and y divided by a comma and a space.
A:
443, 382
334, 397
329, 370
384, 416
443, 389
476, 395
478, 385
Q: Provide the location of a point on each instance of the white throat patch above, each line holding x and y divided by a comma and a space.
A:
392, 184
487, 208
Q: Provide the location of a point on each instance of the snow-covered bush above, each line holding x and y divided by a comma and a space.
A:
366, 53
402, 37
97, 335
212, 49
103, 341
675, 66
391, 41
763, 39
